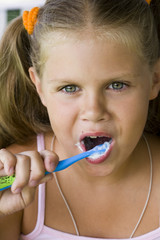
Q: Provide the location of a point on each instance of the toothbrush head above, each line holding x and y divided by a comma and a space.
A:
102, 147
99, 150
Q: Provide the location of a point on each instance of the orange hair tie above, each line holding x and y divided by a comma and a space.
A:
148, 1
30, 19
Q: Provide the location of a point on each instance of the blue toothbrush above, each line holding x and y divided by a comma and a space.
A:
6, 181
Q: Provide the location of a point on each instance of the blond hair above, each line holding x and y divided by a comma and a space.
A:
21, 113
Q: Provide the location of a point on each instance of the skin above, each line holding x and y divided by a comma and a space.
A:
89, 87
92, 72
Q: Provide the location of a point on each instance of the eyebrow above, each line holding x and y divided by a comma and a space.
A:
112, 78
62, 80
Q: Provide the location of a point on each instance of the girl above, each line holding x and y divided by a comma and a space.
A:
95, 71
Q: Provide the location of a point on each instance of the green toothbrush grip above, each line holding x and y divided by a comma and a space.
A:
6, 182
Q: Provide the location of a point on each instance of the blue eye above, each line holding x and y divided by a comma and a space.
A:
117, 86
70, 89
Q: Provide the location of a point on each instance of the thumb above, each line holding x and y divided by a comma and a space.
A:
51, 160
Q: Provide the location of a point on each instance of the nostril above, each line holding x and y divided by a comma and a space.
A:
93, 111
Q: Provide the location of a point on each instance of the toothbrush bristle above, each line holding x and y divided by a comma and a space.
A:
102, 147
100, 150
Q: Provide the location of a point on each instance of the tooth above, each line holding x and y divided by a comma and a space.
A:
93, 136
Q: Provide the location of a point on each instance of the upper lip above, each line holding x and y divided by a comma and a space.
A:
96, 134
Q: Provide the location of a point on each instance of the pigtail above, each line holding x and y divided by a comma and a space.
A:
21, 112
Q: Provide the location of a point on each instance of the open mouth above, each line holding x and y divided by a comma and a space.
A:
90, 142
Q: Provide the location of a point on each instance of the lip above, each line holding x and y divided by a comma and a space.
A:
102, 158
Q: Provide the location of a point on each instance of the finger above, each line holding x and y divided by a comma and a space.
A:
7, 162
37, 169
50, 160
46, 178
22, 172
28, 194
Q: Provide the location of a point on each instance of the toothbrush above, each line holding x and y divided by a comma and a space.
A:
6, 181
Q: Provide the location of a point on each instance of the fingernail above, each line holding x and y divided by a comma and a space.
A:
17, 190
52, 165
11, 170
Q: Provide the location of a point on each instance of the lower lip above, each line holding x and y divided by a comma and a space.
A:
102, 158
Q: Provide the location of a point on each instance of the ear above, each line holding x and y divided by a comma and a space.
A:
35, 79
155, 87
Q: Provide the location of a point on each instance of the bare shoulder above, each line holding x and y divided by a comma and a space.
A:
30, 145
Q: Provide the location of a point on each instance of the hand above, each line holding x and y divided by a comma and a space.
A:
29, 168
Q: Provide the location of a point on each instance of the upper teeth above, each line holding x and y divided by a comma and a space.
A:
93, 136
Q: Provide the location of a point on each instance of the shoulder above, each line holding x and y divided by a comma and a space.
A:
30, 145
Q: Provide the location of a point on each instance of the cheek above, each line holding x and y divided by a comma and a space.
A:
62, 114
130, 119
132, 114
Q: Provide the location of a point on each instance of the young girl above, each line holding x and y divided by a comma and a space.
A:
95, 77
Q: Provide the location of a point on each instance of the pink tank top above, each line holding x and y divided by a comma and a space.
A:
42, 232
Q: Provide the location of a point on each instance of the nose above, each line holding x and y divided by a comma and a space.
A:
94, 108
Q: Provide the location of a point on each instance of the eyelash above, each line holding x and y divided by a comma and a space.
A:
64, 89
110, 87
124, 86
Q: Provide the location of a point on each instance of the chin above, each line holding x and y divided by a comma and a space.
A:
99, 171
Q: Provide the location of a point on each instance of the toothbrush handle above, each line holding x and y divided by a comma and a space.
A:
7, 181
69, 161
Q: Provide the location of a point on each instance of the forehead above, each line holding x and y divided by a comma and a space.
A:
126, 36
89, 56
